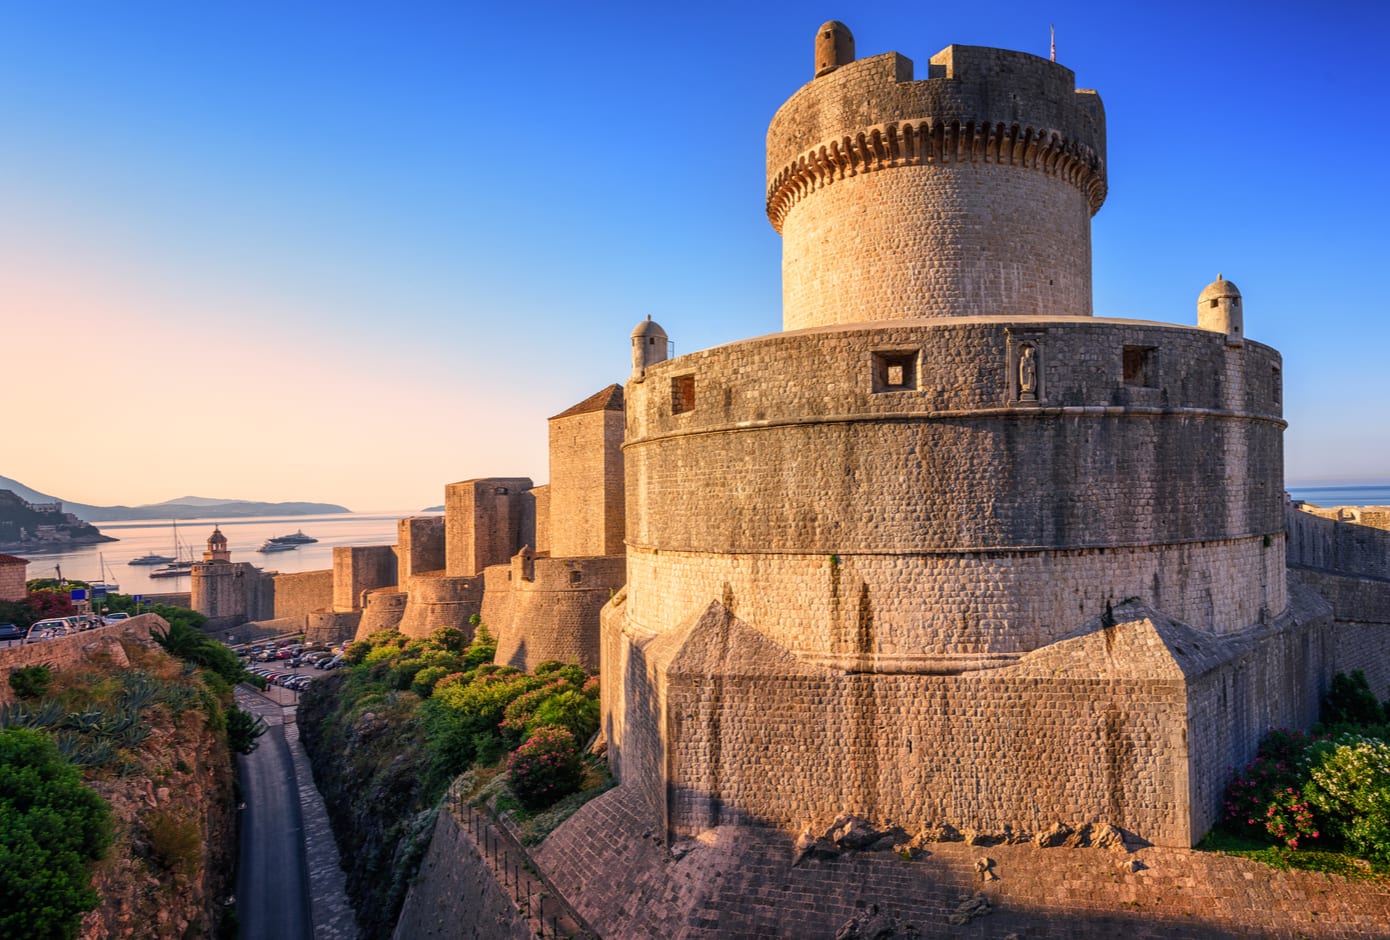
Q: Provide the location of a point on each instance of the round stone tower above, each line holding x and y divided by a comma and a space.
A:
969, 192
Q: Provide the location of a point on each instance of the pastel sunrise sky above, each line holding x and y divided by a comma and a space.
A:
352, 252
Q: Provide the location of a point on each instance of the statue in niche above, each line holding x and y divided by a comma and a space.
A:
1027, 374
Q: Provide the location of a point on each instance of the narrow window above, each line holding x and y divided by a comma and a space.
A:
576, 577
682, 394
1213, 302
894, 371
1139, 369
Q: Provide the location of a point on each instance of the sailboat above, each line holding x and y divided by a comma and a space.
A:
179, 566
104, 582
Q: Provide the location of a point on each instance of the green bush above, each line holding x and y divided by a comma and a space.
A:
175, 842
426, 678
545, 768
31, 681
1350, 787
243, 730
1351, 701
51, 827
1279, 770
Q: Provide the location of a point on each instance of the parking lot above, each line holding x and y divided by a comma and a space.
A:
288, 665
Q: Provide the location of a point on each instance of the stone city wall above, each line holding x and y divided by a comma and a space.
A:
68, 651
931, 612
419, 546
554, 614
383, 611
327, 627
1319, 538
1361, 607
486, 521
767, 473
968, 192
541, 494
174, 599
297, 595
438, 600
1095, 728
358, 569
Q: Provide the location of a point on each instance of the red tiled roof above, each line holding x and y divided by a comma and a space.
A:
12, 560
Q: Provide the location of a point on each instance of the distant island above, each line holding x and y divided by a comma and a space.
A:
184, 507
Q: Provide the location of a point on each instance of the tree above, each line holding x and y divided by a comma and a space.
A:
51, 828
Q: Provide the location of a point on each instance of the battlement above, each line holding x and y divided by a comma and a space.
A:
967, 192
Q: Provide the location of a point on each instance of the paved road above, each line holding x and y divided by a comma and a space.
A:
272, 884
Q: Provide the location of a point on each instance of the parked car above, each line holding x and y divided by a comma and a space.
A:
115, 618
9, 631
45, 629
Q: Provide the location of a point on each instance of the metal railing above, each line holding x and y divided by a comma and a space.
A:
549, 914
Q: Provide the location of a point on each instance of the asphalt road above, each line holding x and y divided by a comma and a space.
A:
272, 883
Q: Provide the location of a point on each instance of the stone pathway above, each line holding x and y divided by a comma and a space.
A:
334, 918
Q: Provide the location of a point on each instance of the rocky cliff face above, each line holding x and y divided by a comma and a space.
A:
169, 781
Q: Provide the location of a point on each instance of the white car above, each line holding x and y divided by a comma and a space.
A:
115, 618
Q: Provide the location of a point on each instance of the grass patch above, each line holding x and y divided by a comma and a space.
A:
1285, 859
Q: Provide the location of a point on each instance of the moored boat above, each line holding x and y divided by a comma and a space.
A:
273, 546
150, 560
298, 538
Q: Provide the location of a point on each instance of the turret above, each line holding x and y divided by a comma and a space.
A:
834, 47
1218, 310
649, 345
969, 192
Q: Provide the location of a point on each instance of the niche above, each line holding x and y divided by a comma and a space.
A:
894, 371
682, 394
1140, 366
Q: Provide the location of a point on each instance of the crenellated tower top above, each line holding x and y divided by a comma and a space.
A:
968, 192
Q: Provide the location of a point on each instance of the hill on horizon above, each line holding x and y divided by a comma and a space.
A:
184, 507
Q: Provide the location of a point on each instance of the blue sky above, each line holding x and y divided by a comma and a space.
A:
353, 252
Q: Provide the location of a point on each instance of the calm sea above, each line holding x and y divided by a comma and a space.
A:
244, 536
1377, 494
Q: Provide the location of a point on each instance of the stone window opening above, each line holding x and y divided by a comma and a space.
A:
576, 577
894, 371
1276, 385
682, 394
500, 491
1213, 302
1140, 367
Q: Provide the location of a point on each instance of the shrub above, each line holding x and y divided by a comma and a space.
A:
1351, 701
1289, 818
51, 826
545, 768
31, 681
573, 711
426, 678
175, 842
1280, 766
1350, 785
243, 730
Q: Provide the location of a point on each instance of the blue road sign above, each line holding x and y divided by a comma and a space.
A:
78, 594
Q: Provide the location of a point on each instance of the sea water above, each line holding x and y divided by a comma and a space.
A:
1374, 494
244, 536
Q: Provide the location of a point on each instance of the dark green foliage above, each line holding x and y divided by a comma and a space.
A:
51, 828
482, 649
190, 644
244, 730
31, 681
1350, 701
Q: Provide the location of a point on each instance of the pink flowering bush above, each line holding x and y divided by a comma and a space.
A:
1289, 818
1275, 776
545, 768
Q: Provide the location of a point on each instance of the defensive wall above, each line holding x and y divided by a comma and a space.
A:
419, 546
383, 610
543, 609
359, 569
1349, 539
230, 593
438, 600
944, 516
486, 521
298, 595
68, 651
